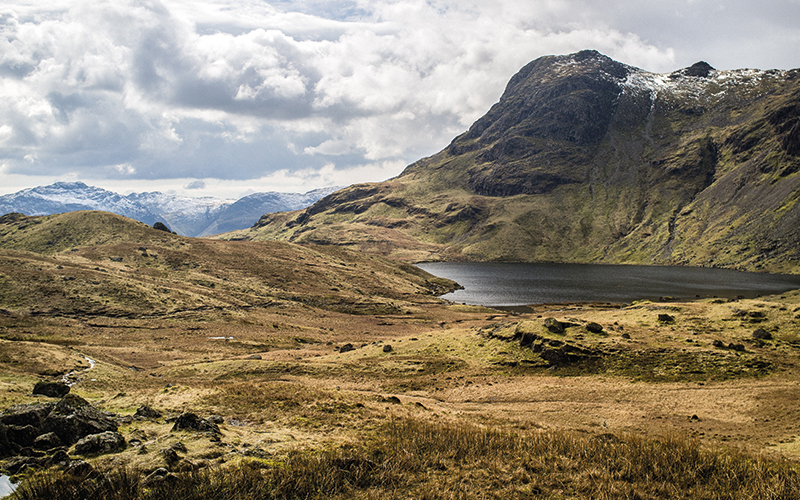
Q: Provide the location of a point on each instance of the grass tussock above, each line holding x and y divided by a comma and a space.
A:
435, 460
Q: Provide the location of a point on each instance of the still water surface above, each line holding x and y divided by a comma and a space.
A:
502, 284
6, 488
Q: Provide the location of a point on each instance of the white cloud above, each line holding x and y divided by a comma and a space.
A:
238, 90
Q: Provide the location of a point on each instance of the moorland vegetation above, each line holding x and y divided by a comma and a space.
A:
139, 364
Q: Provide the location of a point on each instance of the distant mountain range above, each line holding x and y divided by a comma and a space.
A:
586, 159
183, 214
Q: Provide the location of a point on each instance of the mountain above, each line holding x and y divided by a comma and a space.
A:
245, 211
586, 159
185, 215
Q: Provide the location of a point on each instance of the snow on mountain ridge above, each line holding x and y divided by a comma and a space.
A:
183, 214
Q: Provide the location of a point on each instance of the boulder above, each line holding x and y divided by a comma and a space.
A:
51, 389
554, 325
5, 445
74, 418
762, 334
79, 468
47, 441
19, 464
27, 414
192, 422
666, 318
594, 327
387, 348
161, 227
170, 455
60, 457
100, 444
552, 356
16, 424
147, 413
347, 348
160, 475
22, 435
527, 339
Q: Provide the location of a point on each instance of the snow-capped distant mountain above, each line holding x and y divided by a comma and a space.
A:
184, 215
246, 211
72, 196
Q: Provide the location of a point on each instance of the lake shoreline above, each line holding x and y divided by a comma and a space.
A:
527, 285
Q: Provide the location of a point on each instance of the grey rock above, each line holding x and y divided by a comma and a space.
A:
160, 475
190, 421
554, 325
26, 414
17, 464
79, 468
170, 455
51, 389
762, 334
22, 435
161, 227
47, 441
74, 418
147, 413
60, 457
594, 327
100, 444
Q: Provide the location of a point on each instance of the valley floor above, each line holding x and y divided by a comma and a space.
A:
291, 378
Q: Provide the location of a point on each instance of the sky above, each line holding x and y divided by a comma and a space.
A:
230, 97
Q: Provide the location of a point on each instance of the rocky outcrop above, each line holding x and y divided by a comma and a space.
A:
74, 418
47, 425
99, 444
192, 422
51, 389
555, 351
161, 227
762, 334
144, 412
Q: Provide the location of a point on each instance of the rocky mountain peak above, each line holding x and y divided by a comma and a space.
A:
584, 158
699, 69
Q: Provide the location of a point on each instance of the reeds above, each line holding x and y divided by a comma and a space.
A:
437, 460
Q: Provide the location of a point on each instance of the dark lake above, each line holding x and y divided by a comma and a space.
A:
504, 284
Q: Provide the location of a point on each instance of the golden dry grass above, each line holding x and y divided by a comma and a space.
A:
434, 401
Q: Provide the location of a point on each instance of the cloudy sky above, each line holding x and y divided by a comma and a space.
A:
228, 97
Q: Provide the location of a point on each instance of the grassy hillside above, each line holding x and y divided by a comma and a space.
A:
336, 374
100, 264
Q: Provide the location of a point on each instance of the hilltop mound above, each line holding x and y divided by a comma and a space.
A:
585, 159
96, 263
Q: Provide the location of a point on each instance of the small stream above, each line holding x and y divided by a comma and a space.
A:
72, 378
